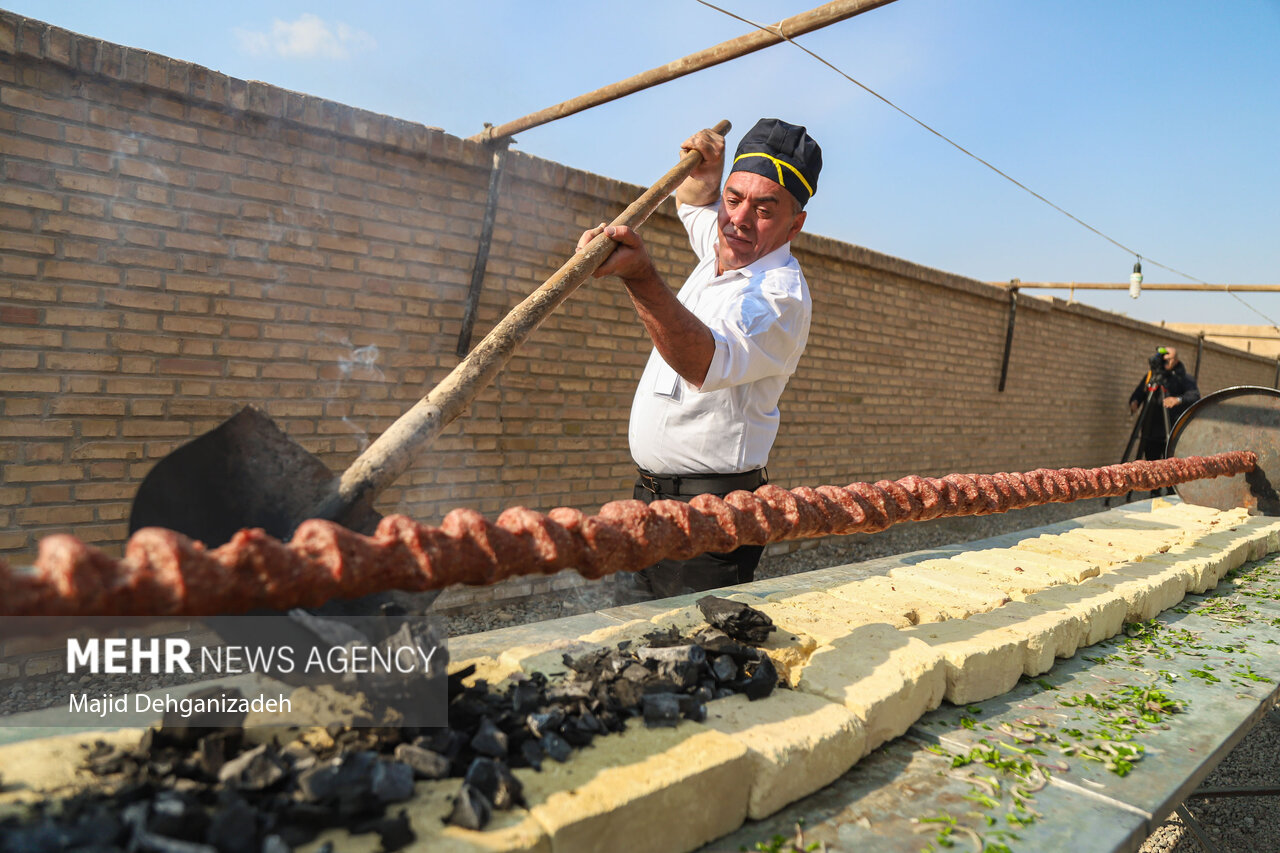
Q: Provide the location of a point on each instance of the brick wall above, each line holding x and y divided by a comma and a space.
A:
175, 244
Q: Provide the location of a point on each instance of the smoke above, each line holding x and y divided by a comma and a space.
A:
357, 364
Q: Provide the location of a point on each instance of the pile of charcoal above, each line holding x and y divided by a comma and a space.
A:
193, 789
664, 678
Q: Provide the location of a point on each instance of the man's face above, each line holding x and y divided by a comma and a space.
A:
1170, 358
757, 215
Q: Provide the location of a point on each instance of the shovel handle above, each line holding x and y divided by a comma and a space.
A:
394, 451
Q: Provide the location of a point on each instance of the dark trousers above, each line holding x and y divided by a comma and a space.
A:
679, 577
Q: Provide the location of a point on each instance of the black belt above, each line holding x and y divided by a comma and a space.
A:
689, 485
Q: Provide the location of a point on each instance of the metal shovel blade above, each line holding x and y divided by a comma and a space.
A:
245, 473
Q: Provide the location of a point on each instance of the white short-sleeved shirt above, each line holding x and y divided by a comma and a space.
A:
759, 316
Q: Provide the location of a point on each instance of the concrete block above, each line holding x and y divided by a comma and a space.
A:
981, 660
1147, 591
884, 676
1101, 610
821, 616
916, 602
655, 790
1050, 632
1020, 573
970, 594
798, 743
1204, 566
1065, 545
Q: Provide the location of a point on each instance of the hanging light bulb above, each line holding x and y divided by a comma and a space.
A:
1135, 280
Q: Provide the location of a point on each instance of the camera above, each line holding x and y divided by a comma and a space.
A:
1157, 361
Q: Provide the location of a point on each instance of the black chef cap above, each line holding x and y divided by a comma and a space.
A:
783, 153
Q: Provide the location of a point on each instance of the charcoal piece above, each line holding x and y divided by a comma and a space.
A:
717, 642
637, 673
577, 733
627, 694
394, 832
588, 722
344, 782
391, 781
548, 721
32, 837
556, 747
590, 663
704, 693
526, 697
455, 685
725, 692
490, 740
233, 828
568, 692
446, 741
736, 619
96, 825
724, 668
531, 752
146, 841
682, 674
177, 816
104, 760
471, 809
298, 756
275, 844
256, 770
425, 763
215, 749
762, 681
495, 780
614, 722
692, 709
661, 709
691, 653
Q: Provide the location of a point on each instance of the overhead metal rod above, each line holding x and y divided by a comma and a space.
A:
1080, 285
796, 25
1257, 336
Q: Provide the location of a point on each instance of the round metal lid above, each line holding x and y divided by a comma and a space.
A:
1246, 417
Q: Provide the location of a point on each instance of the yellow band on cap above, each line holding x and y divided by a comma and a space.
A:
779, 164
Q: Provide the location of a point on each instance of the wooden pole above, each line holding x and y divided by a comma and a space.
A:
796, 25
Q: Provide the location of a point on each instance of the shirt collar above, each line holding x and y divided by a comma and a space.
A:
779, 257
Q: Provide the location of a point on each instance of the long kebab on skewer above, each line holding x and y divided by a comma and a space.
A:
166, 573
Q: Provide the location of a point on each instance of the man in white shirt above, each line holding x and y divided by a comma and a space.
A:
705, 413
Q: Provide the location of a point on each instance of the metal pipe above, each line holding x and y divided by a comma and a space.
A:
1008, 332
1211, 288
796, 25
482, 249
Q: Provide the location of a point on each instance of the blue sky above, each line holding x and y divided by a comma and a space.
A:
1155, 121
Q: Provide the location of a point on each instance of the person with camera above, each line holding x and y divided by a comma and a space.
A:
1166, 392
705, 412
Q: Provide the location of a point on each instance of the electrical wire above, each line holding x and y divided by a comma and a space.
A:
776, 30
